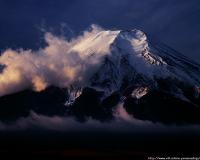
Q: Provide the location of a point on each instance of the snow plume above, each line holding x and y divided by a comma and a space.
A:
57, 64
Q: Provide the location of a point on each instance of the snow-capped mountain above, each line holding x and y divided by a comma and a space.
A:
129, 59
151, 80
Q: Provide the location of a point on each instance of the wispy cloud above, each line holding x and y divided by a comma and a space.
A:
57, 64
123, 122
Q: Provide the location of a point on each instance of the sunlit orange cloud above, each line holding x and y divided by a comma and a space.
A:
60, 63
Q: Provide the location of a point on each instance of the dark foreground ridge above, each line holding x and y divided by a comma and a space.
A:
156, 106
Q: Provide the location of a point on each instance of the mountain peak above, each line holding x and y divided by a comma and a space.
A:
135, 42
100, 69
131, 43
99, 58
100, 41
142, 57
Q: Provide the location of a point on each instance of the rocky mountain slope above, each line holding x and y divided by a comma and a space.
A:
152, 82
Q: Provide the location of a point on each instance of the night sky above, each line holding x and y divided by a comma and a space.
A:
174, 22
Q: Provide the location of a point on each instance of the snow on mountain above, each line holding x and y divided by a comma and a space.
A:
105, 60
128, 58
139, 92
99, 70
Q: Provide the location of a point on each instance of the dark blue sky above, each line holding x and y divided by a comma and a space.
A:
174, 22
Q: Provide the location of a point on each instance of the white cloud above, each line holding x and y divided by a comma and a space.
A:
57, 64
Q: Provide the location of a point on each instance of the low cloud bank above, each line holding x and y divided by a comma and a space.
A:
123, 122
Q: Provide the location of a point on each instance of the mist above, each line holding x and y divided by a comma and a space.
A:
123, 122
